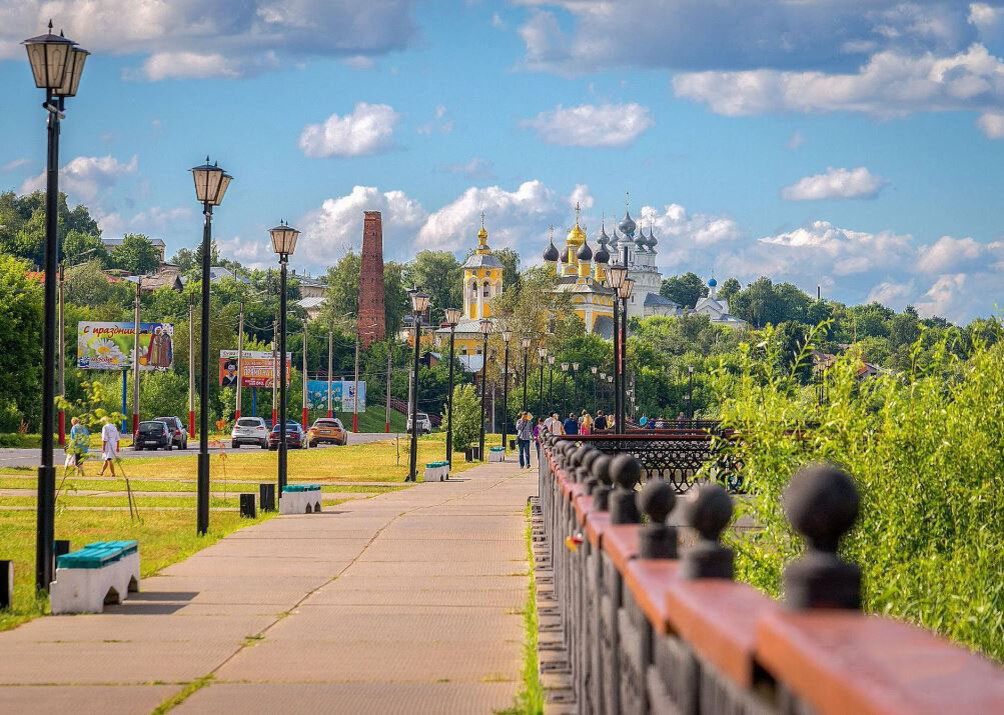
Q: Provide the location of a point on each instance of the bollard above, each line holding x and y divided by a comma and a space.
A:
657, 540
7, 587
822, 504
266, 497
709, 514
247, 506
625, 471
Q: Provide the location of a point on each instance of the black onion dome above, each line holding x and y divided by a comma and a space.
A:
602, 255
564, 255
551, 253
585, 252
627, 225
652, 240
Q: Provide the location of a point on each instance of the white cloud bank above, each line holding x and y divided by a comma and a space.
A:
367, 130
604, 125
85, 176
857, 183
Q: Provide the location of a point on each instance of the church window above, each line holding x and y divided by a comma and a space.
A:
487, 290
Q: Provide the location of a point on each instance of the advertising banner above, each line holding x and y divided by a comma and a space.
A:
342, 395
109, 346
256, 366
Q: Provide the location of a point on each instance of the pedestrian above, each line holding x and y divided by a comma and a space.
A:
524, 433
79, 437
586, 423
556, 426
537, 429
571, 424
109, 446
681, 417
600, 423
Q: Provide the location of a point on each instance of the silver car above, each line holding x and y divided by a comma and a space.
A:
249, 430
424, 423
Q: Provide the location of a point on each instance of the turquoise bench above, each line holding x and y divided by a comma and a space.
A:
300, 499
102, 572
496, 454
437, 472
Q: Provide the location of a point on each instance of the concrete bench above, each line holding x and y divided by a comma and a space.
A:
300, 499
496, 454
437, 472
98, 574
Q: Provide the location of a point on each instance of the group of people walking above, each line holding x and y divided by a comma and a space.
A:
528, 429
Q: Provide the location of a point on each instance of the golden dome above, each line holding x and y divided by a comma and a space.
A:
576, 237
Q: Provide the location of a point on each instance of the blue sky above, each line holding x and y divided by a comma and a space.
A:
851, 144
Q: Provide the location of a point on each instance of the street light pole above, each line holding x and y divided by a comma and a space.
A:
419, 304
564, 390
452, 317
542, 352
283, 243
550, 383
575, 386
690, 391
56, 66
616, 276
594, 370
506, 337
525, 343
486, 327
625, 293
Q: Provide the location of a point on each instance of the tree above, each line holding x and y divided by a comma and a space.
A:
440, 275
510, 266
22, 224
466, 417
396, 302
342, 295
88, 285
684, 290
136, 254
80, 247
728, 289
20, 330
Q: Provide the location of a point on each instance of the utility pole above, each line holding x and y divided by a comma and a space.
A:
330, 339
135, 363
61, 327
191, 369
390, 352
355, 396
305, 413
240, 362
275, 374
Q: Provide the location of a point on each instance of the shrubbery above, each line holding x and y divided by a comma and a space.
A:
926, 449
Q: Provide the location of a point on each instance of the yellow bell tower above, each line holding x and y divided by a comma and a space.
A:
482, 278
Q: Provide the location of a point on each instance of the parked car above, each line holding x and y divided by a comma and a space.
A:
179, 435
249, 430
296, 438
153, 435
327, 430
424, 423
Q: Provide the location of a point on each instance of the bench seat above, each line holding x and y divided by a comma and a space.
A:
436, 472
102, 572
300, 499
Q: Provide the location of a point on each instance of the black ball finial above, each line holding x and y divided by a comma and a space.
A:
601, 469
656, 540
709, 514
822, 503
625, 471
656, 500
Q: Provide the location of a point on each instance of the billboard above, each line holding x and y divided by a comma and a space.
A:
342, 395
109, 346
256, 366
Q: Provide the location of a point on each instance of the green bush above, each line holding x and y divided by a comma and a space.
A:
926, 450
20, 441
466, 417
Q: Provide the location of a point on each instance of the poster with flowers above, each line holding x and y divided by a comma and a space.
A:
109, 346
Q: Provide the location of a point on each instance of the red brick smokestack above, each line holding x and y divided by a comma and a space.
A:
371, 323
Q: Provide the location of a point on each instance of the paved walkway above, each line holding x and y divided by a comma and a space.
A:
405, 603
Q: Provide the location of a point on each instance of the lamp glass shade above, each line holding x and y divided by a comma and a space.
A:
550, 359
224, 183
627, 287
208, 178
74, 71
610, 378
575, 366
49, 57
603, 376
616, 275
419, 301
525, 342
486, 326
564, 366
506, 335
690, 368
284, 239
453, 315
542, 352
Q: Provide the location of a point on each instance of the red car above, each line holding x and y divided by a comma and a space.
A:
295, 437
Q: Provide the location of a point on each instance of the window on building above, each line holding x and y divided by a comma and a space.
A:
487, 293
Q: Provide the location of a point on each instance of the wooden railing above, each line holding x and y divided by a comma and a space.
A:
630, 623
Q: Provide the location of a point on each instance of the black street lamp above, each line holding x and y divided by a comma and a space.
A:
283, 243
506, 337
564, 390
575, 386
56, 65
486, 328
419, 304
690, 391
525, 344
211, 184
550, 382
625, 293
542, 353
594, 370
452, 317
616, 275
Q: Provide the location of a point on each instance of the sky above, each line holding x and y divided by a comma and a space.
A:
855, 145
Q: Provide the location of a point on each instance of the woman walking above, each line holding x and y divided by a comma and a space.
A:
79, 436
524, 433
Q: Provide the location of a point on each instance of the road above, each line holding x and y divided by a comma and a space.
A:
31, 457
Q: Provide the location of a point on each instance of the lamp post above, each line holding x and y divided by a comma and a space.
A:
525, 344
542, 353
486, 328
419, 304
550, 382
575, 386
56, 66
594, 370
506, 337
625, 294
283, 243
452, 317
211, 184
616, 275
690, 391
564, 389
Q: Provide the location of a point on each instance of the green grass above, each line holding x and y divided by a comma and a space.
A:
143, 503
140, 485
374, 419
182, 695
530, 698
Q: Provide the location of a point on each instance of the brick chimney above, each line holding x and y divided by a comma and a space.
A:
371, 305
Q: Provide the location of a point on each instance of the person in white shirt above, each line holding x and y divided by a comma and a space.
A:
109, 446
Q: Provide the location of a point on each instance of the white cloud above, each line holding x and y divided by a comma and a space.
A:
248, 35
85, 176
949, 254
497, 22
856, 183
477, 169
157, 219
440, 123
359, 62
608, 125
13, 164
796, 140
367, 130
991, 124
581, 197
943, 297
891, 294
841, 251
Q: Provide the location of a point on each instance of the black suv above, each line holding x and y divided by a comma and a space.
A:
153, 435
179, 435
